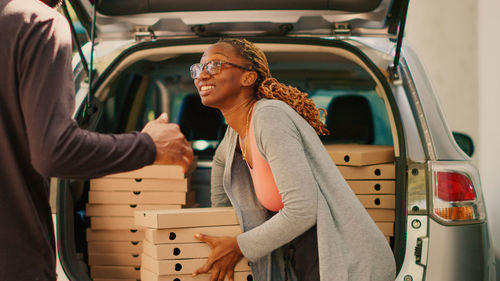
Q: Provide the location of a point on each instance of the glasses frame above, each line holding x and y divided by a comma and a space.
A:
218, 69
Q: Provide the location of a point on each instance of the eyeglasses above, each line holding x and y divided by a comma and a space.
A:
213, 67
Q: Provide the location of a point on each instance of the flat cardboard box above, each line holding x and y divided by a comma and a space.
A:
382, 215
115, 259
103, 271
115, 247
378, 201
141, 197
114, 279
110, 223
387, 228
119, 184
186, 235
115, 235
360, 154
373, 172
147, 275
171, 267
123, 210
195, 217
176, 251
156, 172
372, 186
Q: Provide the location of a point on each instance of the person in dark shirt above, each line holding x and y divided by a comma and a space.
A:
39, 139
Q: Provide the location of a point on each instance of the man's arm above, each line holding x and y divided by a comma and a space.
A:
58, 147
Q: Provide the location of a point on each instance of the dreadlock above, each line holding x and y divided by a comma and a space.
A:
268, 87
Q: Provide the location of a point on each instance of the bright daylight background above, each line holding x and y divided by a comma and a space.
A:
458, 43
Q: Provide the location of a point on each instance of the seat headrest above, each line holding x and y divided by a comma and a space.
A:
198, 122
349, 120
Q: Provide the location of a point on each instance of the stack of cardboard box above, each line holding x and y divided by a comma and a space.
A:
369, 170
114, 242
170, 250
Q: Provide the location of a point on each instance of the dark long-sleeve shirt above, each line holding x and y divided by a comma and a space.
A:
39, 139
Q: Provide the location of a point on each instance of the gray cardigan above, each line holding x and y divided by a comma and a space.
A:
350, 245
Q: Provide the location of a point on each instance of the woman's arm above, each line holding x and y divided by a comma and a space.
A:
281, 145
218, 194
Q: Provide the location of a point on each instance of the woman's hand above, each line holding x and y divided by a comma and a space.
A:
224, 255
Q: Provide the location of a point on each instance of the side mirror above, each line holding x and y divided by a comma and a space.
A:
464, 142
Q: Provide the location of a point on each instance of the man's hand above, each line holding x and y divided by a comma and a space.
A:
224, 255
171, 145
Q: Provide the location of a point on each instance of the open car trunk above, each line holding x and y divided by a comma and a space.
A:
153, 77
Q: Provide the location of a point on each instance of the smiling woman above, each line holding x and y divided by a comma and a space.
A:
290, 197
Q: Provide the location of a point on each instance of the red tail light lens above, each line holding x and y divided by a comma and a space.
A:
454, 187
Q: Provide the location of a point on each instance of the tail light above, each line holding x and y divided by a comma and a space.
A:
456, 193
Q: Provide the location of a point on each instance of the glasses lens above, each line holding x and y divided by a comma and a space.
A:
213, 67
195, 70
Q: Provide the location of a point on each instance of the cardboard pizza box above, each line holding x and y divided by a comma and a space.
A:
114, 259
176, 251
387, 228
156, 172
171, 267
114, 247
123, 210
104, 271
360, 154
373, 172
115, 235
114, 279
378, 201
137, 197
186, 235
194, 217
147, 275
372, 186
139, 184
111, 223
382, 215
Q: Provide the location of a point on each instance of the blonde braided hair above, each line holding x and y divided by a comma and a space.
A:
268, 87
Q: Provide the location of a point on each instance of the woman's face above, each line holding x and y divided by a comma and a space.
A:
224, 88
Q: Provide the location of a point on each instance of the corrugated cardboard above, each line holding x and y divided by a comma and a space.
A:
372, 186
382, 215
378, 201
176, 251
101, 271
170, 267
111, 223
115, 247
114, 259
387, 228
186, 235
124, 210
114, 279
147, 275
142, 197
373, 172
360, 154
195, 217
156, 172
119, 184
115, 235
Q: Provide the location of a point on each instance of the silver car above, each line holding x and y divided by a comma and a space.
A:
348, 55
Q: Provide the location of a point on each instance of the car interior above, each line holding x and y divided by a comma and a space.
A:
144, 88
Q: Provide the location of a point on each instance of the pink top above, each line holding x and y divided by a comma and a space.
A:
262, 176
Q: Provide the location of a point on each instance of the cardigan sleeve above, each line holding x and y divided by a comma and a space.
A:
218, 195
280, 143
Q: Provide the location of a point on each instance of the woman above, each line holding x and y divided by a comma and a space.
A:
299, 217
